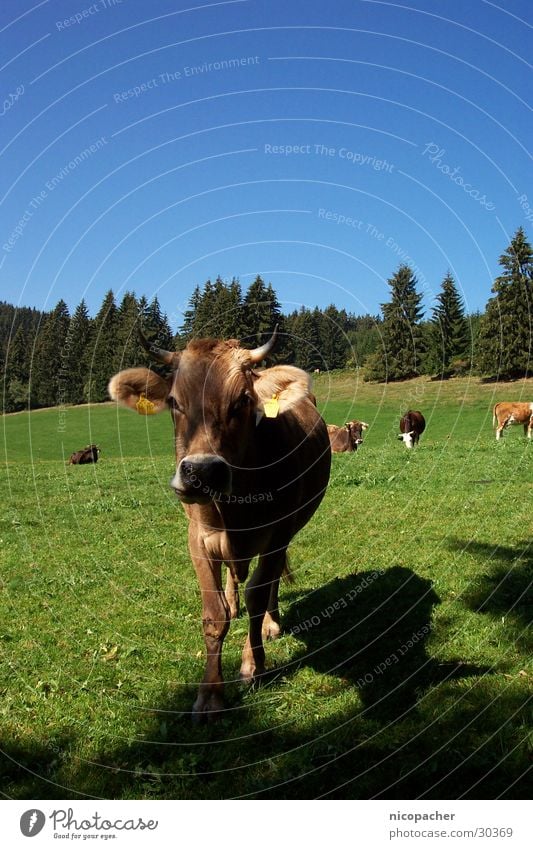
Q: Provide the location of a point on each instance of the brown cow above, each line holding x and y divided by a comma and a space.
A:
86, 455
346, 438
252, 465
507, 413
412, 424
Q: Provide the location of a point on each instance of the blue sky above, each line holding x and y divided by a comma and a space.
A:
150, 146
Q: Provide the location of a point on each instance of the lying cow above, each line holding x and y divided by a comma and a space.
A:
507, 413
86, 455
252, 465
412, 424
346, 438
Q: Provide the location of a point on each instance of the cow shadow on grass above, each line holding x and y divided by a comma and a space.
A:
506, 588
417, 735
371, 629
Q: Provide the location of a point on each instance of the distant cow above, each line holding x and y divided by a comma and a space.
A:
509, 412
346, 438
412, 424
86, 455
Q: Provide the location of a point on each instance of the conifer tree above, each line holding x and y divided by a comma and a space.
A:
75, 354
229, 310
333, 341
155, 326
102, 353
505, 341
399, 356
448, 334
258, 312
127, 337
306, 341
18, 371
186, 332
50, 367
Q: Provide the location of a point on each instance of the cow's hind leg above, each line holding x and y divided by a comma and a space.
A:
260, 592
271, 628
232, 595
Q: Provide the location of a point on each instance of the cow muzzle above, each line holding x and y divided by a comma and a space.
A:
201, 478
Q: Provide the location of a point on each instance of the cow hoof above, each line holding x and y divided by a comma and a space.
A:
208, 706
271, 630
251, 674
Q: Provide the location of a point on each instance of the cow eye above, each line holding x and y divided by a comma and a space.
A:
173, 404
242, 402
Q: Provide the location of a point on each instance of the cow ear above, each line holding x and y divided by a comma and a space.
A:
140, 389
364, 426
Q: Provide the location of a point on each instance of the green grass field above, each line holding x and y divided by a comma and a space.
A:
404, 670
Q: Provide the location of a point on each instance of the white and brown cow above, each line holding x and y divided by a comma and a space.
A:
506, 413
252, 465
412, 424
348, 437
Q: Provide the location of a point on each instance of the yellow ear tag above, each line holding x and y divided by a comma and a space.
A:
145, 407
272, 407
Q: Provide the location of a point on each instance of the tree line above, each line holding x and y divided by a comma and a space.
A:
53, 358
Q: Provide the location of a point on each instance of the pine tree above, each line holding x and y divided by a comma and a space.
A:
127, 337
50, 366
18, 371
76, 350
399, 356
505, 341
102, 352
333, 341
186, 331
156, 329
260, 309
306, 340
205, 319
229, 308
448, 334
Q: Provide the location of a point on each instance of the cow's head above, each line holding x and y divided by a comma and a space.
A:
355, 430
214, 406
407, 438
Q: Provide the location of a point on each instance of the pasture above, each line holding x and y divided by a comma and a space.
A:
404, 670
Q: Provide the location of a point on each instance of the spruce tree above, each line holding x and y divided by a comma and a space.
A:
505, 341
402, 345
333, 341
448, 334
76, 351
102, 353
228, 308
186, 331
260, 308
17, 371
127, 338
50, 366
306, 340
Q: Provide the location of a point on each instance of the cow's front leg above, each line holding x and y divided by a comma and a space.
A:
257, 594
215, 620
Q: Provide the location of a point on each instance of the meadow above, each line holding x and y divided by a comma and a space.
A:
404, 669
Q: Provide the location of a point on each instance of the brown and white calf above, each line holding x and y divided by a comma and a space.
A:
346, 438
506, 413
252, 465
412, 424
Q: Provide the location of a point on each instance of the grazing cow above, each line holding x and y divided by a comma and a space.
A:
86, 455
346, 438
510, 412
412, 424
252, 465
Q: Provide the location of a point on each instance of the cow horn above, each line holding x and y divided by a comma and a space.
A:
258, 354
159, 354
